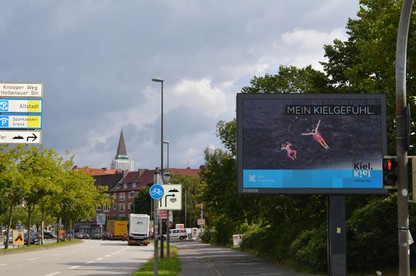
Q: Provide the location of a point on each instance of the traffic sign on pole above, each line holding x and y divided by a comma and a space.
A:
20, 121
20, 137
156, 191
20, 106
21, 90
172, 199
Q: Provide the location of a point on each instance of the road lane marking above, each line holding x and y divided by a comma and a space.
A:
74, 267
34, 259
90, 262
53, 273
3, 264
99, 259
108, 256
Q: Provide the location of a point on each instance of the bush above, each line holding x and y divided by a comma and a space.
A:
309, 250
207, 235
372, 236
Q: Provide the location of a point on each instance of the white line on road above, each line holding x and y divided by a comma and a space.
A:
90, 262
53, 273
74, 267
34, 259
3, 264
99, 259
108, 256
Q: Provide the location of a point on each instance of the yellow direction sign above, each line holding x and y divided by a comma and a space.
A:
18, 237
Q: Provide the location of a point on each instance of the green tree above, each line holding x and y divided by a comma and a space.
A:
192, 189
290, 79
143, 202
11, 181
365, 62
40, 168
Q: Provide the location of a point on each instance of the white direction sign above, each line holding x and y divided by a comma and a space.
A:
172, 198
20, 106
20, 137
21, 90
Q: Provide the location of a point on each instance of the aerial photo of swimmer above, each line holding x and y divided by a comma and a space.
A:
291, 153
317, 136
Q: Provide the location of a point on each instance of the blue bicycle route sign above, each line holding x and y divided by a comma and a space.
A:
156, 191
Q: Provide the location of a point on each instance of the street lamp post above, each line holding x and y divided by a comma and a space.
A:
167, 161
161, 122
161, 145
169, 212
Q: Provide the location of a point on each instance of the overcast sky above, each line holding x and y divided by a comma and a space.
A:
96, 59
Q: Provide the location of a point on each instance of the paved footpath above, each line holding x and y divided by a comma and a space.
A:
207, 260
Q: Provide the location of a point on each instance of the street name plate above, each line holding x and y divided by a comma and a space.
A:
20, 137
21, 90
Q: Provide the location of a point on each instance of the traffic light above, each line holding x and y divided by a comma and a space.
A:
389, 172
164, 226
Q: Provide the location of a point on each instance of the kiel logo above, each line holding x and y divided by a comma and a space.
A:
252, 178
362, 170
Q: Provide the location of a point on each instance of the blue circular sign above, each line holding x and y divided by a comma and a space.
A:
156, 191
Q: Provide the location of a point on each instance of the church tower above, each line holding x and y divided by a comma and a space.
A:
121, 160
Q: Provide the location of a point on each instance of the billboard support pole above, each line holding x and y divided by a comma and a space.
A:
337, 245
402, 140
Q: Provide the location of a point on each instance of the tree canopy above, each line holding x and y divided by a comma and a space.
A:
364, 63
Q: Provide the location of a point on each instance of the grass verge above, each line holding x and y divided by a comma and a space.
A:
166, 267
37, 247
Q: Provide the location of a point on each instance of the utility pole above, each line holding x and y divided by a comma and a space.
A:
402, 139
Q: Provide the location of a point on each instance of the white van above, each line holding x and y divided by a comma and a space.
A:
177, 233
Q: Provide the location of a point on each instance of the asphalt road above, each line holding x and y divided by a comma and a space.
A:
208, 260
91, 257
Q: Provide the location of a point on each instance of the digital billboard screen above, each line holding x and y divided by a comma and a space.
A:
311, 143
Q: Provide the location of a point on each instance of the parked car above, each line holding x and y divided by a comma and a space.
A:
79, 235
49, 235
108, 236
85, 236
33, 238
10, 239
97, 236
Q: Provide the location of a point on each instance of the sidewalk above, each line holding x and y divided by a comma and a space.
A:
207, 260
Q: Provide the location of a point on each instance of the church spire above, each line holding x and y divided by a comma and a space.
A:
121, 149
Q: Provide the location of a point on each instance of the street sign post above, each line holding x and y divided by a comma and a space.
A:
20, 137
18, 237
101, 218
17, 98
172, 199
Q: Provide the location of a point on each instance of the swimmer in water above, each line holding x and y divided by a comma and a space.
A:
291, 153
317, 136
